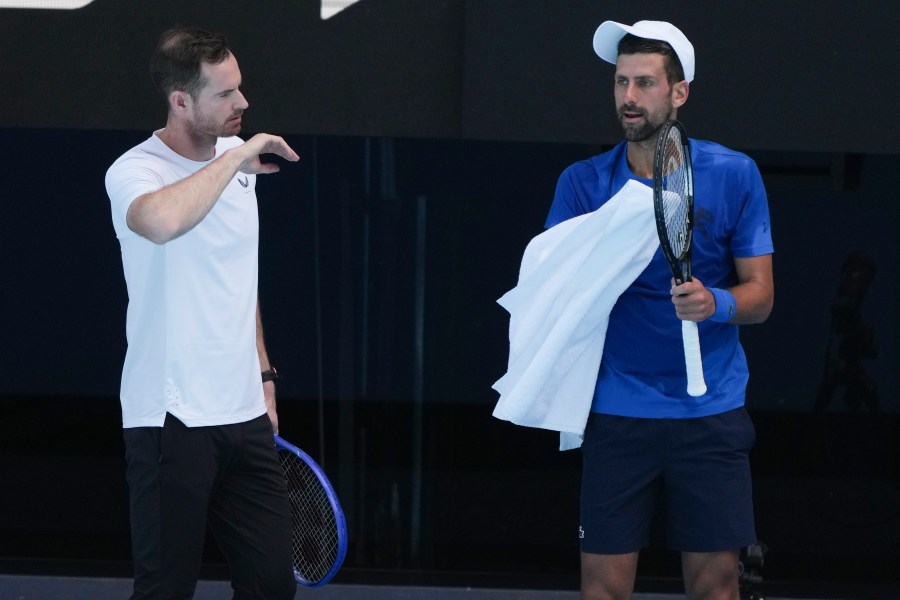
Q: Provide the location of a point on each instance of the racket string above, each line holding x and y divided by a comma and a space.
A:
314, 529
675, 195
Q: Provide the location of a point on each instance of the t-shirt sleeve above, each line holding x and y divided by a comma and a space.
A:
569, 200
126, 180
753, 234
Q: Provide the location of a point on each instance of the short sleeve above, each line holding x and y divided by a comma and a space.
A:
127, 179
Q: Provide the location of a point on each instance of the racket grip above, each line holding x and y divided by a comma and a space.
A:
696, 386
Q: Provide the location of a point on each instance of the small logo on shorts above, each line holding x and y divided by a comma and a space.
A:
580, 532
245, 182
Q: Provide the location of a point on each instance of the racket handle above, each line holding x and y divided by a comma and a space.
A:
696, 386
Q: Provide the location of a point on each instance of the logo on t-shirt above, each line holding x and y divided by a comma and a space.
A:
703, 219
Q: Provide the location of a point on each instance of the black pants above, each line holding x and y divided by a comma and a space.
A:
182, 479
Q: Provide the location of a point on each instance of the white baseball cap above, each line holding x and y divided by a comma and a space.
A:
607, 36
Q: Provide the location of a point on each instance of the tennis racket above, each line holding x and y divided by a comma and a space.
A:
673, 203
318, 527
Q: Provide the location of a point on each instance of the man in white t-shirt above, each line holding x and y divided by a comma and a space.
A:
198, 392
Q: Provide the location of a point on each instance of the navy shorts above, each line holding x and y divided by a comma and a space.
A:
696, 470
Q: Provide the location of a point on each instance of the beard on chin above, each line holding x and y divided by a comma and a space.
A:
648, 128
204, 126
641, 133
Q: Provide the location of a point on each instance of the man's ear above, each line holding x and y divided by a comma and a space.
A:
179, 101
680, 93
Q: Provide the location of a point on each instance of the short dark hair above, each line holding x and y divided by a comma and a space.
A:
631, 44
179, 55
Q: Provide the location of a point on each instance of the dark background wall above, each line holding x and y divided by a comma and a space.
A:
431, 136
493, 69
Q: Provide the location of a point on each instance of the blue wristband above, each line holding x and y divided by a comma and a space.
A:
725, 305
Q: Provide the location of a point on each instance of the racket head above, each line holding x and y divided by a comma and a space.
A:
673, 198
318, 526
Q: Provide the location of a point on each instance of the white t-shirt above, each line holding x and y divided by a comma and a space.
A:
191, 321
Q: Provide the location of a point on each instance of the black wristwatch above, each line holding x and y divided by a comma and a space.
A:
270, 375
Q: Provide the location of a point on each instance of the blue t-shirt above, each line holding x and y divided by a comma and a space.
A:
642, 373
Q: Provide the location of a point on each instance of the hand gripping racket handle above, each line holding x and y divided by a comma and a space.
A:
696, 386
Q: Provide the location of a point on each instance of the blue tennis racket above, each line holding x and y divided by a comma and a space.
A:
318, 527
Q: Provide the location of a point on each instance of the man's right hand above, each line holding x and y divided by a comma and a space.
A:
259, 144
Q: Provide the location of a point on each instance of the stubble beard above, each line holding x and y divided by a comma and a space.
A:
645, 131
204, 127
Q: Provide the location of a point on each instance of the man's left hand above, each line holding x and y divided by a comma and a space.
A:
269, 391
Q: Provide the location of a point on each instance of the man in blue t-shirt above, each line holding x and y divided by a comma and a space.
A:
648, 442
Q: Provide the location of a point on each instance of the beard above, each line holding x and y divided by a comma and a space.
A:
205, 126
647, 129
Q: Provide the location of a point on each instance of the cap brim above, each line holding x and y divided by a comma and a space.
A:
606, 40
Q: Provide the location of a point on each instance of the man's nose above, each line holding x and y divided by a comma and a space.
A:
241, 101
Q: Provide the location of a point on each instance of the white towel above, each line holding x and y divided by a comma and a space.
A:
570, 278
